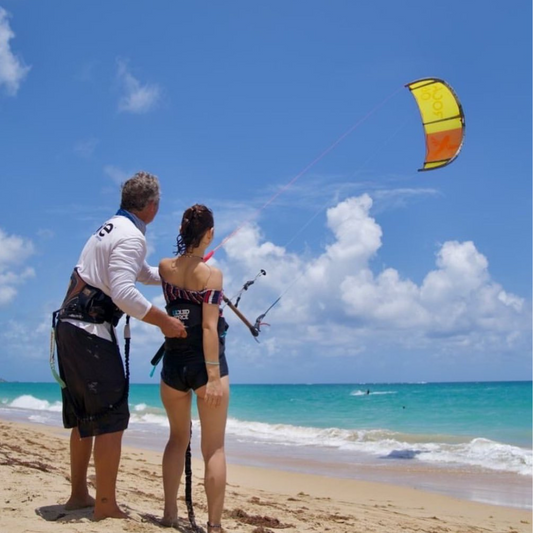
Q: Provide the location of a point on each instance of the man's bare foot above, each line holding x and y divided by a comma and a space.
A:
79, 503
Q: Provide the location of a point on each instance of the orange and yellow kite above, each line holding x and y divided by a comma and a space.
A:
443, 119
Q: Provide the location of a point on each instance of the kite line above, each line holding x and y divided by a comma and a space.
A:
303, 171
444, 125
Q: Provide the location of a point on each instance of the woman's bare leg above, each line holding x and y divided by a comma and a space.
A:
213, 422
178, 407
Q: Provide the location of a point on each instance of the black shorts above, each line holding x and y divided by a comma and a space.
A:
184, 371
95, 400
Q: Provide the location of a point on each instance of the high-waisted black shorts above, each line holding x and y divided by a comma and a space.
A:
185, 370
95, 400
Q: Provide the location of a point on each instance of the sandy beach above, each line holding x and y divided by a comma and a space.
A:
34, 470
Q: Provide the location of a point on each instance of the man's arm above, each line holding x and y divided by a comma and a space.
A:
123, 272
149, 275
169, 325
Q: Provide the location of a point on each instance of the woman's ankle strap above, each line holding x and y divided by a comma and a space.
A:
216, 526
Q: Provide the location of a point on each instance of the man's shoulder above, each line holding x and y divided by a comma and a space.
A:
118, 227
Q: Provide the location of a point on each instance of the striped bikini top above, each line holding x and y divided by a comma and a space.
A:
187, 306
208, 296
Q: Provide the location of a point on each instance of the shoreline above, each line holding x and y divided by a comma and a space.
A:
466, 483
34, 468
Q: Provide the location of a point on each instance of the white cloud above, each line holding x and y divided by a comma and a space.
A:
336, 310
224, 211
335, 297
14, 251
136, 98
358, 237
12, 68
7, 294
27, 339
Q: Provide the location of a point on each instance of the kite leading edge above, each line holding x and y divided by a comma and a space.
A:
443, 119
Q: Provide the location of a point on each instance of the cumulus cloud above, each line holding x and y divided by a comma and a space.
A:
136, 97
12, 68
14, 251
458, 299
335, 296
336, 310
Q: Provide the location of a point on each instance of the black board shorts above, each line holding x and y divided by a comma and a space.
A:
96, 397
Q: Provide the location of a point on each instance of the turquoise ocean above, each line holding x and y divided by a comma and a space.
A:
469, 440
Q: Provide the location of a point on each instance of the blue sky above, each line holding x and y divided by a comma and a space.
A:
386, 274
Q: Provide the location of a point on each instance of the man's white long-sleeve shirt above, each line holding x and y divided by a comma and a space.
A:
113, 260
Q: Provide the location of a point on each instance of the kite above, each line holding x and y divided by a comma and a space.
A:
444, 127
443, 119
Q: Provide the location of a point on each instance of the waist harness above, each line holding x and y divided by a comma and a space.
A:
190, 315
87, 303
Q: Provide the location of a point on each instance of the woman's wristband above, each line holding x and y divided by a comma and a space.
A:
214, 363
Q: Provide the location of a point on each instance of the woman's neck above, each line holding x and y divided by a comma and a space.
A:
195, 252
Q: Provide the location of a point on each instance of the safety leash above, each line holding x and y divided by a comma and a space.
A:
188, 486
57, 377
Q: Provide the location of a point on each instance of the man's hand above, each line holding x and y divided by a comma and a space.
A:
169, 325
174, 328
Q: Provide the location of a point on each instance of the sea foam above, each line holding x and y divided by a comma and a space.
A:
385, 444
27, 401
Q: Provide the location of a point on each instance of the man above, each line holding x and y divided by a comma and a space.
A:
102, 288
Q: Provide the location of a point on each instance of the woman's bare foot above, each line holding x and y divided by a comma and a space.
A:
167, 521
79, 503
105, 510
170, 515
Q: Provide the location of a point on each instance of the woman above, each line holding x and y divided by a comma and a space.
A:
193, 292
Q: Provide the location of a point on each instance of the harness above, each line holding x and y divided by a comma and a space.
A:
87, 303
90, 304
190, 314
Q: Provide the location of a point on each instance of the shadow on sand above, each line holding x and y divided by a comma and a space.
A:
58, 513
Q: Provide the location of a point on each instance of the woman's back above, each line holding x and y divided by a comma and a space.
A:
186, 272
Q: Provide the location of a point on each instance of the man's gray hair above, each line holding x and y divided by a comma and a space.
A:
139, 191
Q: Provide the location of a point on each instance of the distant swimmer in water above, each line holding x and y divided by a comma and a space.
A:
368, 391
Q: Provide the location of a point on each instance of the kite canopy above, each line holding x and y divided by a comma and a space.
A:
443, 119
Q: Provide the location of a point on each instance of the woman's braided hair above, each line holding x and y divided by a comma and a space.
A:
196, 220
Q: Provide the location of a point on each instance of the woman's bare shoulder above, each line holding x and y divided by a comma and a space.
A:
215, 278
165, 265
